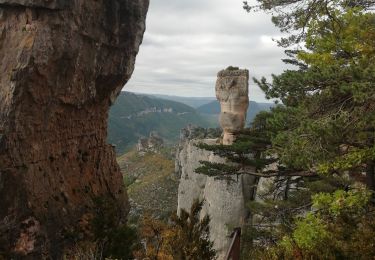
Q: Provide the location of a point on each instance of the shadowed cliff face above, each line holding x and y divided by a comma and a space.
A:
62, 63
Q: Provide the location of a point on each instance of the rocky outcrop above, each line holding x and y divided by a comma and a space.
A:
232, 91
62, 64
188, 133
151, 144
225, 200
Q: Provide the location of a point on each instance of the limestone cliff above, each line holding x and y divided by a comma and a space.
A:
62, 64
232, 91
225, 201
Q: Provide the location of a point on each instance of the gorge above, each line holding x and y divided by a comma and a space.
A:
90, 172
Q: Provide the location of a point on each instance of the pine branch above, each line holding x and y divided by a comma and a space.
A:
225, 171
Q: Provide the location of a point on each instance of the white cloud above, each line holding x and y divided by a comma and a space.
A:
188, 41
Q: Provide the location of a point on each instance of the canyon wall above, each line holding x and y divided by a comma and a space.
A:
62, 64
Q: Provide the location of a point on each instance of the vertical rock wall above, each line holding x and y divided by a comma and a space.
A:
62, 63
225, 201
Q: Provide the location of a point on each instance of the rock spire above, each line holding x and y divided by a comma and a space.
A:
232, 91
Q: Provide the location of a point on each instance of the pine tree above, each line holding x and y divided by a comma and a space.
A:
185, 237
193, 241
320, 139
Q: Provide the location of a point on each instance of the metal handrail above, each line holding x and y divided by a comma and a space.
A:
234, 250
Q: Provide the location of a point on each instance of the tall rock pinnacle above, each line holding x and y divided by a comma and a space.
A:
232, 91
62, 64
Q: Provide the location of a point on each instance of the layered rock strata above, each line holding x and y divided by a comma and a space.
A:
232, 91
225, 201
62, 64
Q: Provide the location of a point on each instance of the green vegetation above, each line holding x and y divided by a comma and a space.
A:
330, 101
152, 188
127, 123
185, 237
316, 149
190, 101
340, 226
154, 233
134, 116
232, 68
152, 185
114, 239
314, 153
103, 234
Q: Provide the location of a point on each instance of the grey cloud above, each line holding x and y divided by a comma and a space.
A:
188, 42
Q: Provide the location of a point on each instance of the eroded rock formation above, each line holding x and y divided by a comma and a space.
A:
225, 201
232, 91
151, 144
62, 64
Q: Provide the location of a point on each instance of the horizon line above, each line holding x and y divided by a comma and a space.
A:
143, 93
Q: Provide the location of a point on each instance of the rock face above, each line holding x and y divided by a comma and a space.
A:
188, 133
151, 144
232, 91
62, 64
225, 201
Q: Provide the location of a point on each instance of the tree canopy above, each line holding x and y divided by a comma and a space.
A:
318, 144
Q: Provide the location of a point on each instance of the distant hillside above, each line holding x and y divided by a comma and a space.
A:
194, 102
213, 108
134, 116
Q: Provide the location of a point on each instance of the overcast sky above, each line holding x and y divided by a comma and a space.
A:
188, 41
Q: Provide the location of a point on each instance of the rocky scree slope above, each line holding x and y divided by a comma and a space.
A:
62, 64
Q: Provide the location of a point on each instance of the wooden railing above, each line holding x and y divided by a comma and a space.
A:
234, 251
